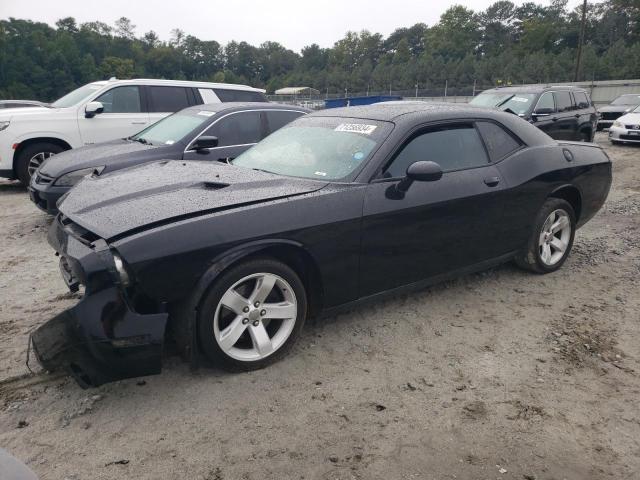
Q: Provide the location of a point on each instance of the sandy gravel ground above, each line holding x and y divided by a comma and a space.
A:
499, 375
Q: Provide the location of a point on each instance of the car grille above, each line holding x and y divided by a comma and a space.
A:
632, 127
43, 179
611, 115
633, 138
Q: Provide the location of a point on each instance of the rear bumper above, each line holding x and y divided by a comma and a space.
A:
101, 340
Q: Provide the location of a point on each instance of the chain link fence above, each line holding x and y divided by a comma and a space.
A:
602, 93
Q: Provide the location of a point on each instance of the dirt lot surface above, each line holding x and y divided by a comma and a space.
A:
499, 375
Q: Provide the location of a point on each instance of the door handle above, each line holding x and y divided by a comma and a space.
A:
577, 115
492, 181
554, 119
138, 123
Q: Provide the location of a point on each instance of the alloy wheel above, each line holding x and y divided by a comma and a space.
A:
255, 317
37, 160
555, 237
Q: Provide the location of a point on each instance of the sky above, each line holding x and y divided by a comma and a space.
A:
294, 24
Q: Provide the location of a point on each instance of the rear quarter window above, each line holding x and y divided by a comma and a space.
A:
499, 142
228, 95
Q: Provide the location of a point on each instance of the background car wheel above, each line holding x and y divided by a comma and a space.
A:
551, 239
252, 315
616, 142
32, 156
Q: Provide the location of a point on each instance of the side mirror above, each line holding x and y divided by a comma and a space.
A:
424, 171
419, 172
541, 112
92, 109
202, 144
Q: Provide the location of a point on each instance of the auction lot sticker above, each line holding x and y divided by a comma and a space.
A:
356, 128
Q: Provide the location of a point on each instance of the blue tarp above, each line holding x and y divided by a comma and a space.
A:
353, 101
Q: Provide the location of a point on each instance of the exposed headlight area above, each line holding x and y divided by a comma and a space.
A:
71, 178
124, 278
4, 125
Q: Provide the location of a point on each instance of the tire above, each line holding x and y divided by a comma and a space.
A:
234, 337
599, 128
28, 157
534, 257
615, 142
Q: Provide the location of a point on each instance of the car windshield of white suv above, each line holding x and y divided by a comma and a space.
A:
77, 96
627, 100
320, 148
171, 129
518, 103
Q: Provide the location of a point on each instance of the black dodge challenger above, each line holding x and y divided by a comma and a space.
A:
337, 207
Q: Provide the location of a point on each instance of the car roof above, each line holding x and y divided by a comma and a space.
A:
411, 113
178, 83
532, 89
240, 106
35, 102
391, 111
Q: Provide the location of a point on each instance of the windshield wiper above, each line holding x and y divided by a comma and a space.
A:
141, 140
502, 103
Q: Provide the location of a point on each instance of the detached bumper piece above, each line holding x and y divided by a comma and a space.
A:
101, 340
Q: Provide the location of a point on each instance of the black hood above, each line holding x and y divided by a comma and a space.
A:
616, 108
115, 154
154, 193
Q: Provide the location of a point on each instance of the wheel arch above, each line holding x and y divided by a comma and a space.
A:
291, 253
31, 141
571, 194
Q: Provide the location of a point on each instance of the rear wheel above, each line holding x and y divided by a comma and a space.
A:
551, 239
32, 157
252, 315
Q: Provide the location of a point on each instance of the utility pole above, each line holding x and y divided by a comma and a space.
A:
582, 29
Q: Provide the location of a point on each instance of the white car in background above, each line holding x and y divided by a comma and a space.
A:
99, 112
626, 129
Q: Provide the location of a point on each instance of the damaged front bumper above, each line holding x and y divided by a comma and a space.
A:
102, 338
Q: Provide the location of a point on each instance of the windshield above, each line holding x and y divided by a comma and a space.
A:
627, 100
320, 148
519, 103
77, 96
173, 128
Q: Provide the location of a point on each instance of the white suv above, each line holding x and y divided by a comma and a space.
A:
98, 112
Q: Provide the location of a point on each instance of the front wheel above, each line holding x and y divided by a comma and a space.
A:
252, 315
32, 157
551, 239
